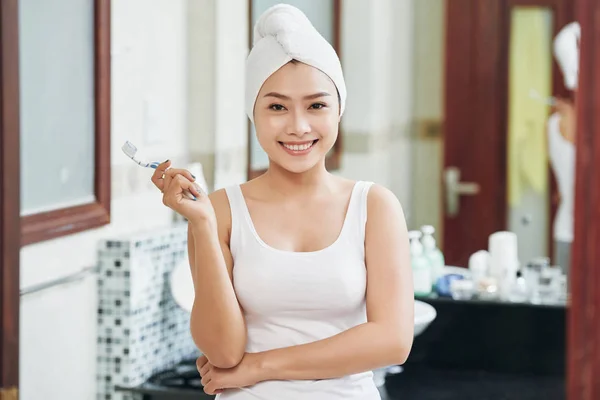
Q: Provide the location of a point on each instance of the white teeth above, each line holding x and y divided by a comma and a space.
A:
296, 147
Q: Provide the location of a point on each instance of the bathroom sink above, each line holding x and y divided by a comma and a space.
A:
424, 315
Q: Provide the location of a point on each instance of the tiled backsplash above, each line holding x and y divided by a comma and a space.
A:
141, 330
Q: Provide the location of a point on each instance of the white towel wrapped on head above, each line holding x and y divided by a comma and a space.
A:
282, 34
566, 51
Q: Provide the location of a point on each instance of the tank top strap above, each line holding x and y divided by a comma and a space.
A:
356, 217
364, 192
237, 206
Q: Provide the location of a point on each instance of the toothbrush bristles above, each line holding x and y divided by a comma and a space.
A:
129, 149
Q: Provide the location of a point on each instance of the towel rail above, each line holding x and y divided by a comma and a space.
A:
74, 277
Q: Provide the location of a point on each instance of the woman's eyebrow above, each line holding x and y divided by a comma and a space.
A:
308, 97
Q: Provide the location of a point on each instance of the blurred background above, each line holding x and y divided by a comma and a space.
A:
449, 105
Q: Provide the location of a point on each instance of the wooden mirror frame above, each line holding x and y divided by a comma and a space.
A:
10, 219
69, 220
583, 332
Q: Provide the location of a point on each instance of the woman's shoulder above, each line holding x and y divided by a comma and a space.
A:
382, 200
385, 215
219, 198
379, 199
221, 204
380, 191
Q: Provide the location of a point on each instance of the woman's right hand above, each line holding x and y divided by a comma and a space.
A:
174, 183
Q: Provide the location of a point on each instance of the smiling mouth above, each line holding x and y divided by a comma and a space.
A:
302, 148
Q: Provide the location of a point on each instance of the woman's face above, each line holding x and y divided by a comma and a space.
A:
296, 116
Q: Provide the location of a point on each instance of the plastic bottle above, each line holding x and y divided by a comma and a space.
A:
432, 252
421, 269
519, 292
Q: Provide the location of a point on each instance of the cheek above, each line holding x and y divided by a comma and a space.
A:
268, 128
328, 127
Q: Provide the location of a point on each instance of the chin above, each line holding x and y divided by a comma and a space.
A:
298, 168
295, 166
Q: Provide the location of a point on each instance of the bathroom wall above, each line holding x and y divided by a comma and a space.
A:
394, 72
217, 123
177, 92
428, 66
378, 72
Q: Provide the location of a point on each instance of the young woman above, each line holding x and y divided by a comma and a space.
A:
302, 278
561, 132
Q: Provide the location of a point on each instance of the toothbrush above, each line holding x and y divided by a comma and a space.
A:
130, 150
551, 101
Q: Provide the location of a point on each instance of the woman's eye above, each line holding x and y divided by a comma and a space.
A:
276, 107
317, 106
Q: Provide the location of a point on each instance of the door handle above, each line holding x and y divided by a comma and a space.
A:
454, 188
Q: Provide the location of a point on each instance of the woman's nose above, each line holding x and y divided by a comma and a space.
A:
299, 124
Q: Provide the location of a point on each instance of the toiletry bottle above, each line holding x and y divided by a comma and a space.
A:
532, 274
479, 265
504, 260
519, 292
421, 269
432, 253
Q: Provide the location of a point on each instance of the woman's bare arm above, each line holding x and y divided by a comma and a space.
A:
217, 323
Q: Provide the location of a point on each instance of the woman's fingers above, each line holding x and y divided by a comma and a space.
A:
204, 370
180, 171
170, 173
163, 175
210, 388
157, 176
201, 362
178, 186
205, 378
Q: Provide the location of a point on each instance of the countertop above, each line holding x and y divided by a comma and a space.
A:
431, 384
490, 302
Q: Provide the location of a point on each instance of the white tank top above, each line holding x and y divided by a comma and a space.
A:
291, 298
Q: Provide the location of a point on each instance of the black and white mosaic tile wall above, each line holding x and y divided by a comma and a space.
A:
141, 330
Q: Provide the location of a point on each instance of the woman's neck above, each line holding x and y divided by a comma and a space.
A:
316, 180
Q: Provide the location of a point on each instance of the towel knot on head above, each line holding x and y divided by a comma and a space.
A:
283, 33
281, 20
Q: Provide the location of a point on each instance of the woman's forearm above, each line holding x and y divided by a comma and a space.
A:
217, 322
362, 348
